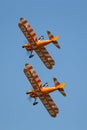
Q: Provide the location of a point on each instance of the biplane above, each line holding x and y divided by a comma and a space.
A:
42, 91
37, 44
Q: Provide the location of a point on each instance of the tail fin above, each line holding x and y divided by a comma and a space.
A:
61, 86
55, 42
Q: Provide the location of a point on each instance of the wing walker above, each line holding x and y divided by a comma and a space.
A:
39, 90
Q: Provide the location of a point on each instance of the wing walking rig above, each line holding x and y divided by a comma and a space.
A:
38, 45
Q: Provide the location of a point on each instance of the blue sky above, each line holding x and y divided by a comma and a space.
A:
68, 19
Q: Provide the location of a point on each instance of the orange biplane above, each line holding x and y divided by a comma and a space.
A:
41, 91
38, 44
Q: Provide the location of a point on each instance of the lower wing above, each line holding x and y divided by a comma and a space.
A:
45, 57
49, 105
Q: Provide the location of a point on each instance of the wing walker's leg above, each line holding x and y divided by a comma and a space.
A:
45, 85
41, 38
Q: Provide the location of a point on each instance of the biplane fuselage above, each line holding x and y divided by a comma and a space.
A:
39, 43
44, 90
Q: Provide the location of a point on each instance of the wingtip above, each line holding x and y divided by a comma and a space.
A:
22, 19
27, 65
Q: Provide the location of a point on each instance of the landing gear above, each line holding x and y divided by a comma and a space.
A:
35, 102
31, 55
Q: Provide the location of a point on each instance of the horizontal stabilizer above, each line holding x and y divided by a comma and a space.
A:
56, 44
60, 86
56, 82
51, 37
61, 90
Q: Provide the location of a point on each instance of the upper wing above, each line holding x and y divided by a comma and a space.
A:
32, 77
49, 104
28, 31
45, 57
